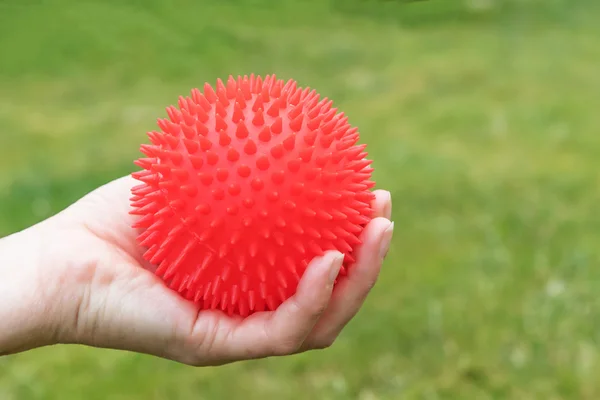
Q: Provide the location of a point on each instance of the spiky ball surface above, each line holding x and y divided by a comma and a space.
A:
243, 185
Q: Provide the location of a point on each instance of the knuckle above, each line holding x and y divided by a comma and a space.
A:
286, 347
367, 288
279, 343
317, 308
324, 343
192, 361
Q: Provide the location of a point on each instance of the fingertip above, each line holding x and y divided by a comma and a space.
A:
376, 227
372, 238
386, 240
387, 211
382, 204
317, 283
335, 265
325, 266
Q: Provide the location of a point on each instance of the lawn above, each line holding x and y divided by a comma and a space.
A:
481, 116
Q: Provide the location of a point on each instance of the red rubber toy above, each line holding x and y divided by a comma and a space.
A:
243, 185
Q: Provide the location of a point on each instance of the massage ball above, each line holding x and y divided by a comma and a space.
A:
242, 185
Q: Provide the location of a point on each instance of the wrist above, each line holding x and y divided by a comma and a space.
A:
29, 306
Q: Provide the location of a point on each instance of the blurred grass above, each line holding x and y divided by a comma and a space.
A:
481, 117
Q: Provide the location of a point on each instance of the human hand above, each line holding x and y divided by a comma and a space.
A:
91, 286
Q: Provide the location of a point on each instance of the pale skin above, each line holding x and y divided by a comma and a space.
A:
79, 278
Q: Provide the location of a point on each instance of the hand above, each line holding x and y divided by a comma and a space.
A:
100, 292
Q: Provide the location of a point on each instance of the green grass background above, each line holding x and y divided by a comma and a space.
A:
481, 116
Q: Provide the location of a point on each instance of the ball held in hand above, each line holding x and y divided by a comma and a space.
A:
243, 185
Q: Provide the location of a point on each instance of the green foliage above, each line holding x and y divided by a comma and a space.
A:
481, 117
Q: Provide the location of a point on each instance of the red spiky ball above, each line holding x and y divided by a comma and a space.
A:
243, 185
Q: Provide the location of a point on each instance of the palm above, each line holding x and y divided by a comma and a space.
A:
132, 309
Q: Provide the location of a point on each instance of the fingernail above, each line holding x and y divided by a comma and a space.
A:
334, 268
386, 240
387, 212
